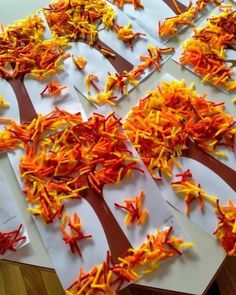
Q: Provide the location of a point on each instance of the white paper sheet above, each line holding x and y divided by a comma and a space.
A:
67, 99
42, 104
154, 12
9, 217
210, 182
94, 250
148, 17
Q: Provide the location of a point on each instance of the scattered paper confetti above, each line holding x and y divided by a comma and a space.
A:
121, 81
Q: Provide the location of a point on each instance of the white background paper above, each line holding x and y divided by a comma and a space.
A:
153, 12
9, 217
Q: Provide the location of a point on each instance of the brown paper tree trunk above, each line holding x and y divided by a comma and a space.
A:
226, 173
116, 238
118, 62
171, 5
26, 107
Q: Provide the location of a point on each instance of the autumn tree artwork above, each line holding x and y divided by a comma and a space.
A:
81, 21
23, 51
74, 161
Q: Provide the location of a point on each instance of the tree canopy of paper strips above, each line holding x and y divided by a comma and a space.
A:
210, 51
168, 116
23, 51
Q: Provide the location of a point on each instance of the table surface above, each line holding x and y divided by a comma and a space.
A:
190, 273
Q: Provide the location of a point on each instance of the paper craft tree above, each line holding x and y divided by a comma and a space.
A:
76, 160
80, 20
23, 51
210, 52
174, 120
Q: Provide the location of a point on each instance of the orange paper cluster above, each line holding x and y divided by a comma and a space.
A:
191, 191
201, 4
120, 81
226, 229
90, 80
9, 241
3, 103
23, 50
11, 137
53, 88
163, 121
79, 19
65, 156
108, 278
135, 214
126, 34
75, 235
171, 25
206, 51
137, 4
80, 62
